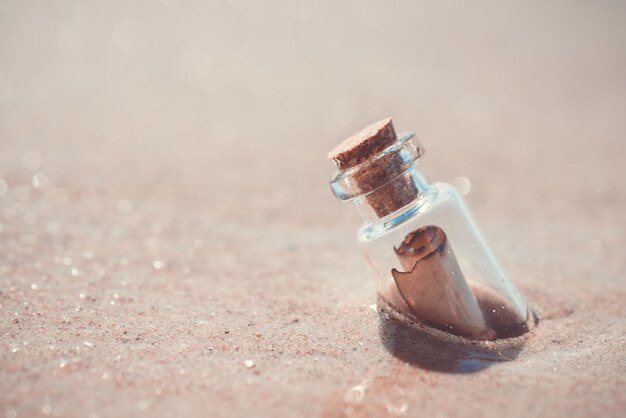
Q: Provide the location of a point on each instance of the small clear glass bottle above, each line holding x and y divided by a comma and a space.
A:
431, 261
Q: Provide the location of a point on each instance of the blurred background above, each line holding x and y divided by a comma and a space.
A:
276, 84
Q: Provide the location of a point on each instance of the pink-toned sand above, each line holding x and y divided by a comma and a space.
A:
169, 245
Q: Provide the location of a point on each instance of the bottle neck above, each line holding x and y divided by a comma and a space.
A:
384, 183
392, 199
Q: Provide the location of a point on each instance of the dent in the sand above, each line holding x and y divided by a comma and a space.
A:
430, 349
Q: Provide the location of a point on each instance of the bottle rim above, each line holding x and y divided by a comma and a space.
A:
344, 184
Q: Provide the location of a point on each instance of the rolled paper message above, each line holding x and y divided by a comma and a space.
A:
434, 288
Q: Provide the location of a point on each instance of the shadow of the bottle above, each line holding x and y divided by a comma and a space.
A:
430, 349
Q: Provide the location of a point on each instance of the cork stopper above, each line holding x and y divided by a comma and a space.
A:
364, 144
380, 174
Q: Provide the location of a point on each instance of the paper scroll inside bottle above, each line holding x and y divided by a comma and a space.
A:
434, 287
437, 293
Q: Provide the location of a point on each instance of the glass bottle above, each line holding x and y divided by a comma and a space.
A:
431, 262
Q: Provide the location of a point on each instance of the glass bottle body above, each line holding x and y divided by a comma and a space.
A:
471, 295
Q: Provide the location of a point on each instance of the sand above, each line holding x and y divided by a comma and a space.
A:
169, 245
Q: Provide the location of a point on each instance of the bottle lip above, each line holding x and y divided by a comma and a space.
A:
346, 187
